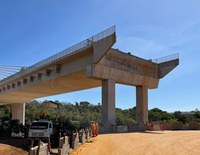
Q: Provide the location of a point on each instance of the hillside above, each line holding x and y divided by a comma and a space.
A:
80, 114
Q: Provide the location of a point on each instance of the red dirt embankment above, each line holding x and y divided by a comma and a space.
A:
10, 150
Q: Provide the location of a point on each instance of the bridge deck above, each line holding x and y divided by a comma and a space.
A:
73, 82
83, 66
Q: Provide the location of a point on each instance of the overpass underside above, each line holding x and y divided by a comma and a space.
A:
94, 64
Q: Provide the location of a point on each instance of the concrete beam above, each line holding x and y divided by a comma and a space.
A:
142, 107
121, 76
130, 63
108, 104
18, 112
42, 88
102, 46
166, 67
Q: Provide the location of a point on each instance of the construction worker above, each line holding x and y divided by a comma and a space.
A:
151, 125
93, 127
97, 129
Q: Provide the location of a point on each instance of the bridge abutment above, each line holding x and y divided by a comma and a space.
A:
142, 107
18, 112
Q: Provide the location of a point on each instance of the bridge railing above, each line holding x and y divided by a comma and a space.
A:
166, 58
71, 50
6, 71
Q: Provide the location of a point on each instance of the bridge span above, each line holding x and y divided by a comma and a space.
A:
88, 64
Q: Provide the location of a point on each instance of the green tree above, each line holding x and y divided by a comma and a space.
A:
180, 117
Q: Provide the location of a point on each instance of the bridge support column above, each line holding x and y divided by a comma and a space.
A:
108, 105
142, 107
18, 112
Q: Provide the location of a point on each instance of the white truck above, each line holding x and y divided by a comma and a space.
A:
41, 129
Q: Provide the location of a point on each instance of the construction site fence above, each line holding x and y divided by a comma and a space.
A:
64, 146
43, 150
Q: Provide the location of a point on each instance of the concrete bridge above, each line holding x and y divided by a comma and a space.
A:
88, 64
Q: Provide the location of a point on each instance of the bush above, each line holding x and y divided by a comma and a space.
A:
177, 125
15, 126
193, 125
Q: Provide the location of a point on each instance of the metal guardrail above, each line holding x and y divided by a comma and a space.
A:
84, 44
166, 58
6, 71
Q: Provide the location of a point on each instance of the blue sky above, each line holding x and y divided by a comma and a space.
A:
33, 30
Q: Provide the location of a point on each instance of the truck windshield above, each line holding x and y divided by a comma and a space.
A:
39, 125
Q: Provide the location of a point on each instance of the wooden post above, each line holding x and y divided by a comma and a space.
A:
49, 144
61, 142
38, 150
64, 138
31, 145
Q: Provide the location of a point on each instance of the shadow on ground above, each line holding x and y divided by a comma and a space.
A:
152, 132
16, 142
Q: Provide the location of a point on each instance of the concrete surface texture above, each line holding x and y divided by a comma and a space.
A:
18, 112
142, 106
108, 101
144, 143
96, 64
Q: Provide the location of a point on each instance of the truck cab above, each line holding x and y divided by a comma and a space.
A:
41, 129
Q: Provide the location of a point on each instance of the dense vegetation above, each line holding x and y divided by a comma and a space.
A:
80, 114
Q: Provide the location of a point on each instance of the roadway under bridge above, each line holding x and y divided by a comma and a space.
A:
88, 64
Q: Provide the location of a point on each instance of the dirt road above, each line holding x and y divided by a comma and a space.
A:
149, 143
10, 150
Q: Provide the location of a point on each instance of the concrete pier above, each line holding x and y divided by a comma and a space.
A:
142, 107
18, 112
108, 103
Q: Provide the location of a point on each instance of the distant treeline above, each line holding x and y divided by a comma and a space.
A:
79, 115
